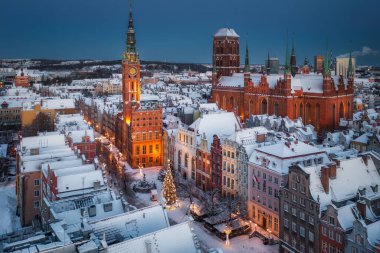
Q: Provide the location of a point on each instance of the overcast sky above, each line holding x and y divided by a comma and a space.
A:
181, 30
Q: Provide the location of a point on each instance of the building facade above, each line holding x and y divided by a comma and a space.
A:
320, 100
226, 56
299, 214
268, 170
140, 125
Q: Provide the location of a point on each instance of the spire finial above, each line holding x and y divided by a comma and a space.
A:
131, 41
246, 64
293, 64
326, 65
350, 71
268, 64
287, 54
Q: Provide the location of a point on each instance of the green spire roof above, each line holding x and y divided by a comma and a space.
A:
326, 64
246, 64
287, 61
350, 71
131, 41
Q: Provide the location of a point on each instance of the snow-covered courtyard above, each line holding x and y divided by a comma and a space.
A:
208, 240
9, 222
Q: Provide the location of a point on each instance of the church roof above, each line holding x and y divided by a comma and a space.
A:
309, 83
226, 32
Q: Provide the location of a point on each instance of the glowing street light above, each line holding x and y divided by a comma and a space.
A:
140, 167
227, 231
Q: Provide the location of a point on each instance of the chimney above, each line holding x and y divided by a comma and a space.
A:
361, 205
365, 160
332, 173
325, 173
260, 138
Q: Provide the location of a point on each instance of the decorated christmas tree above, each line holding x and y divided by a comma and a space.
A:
168, 190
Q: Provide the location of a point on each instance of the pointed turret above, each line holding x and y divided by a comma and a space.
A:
293, 63
247, 69
326, 65
246, 62
131, 40
268, 65
350, 71
287, 64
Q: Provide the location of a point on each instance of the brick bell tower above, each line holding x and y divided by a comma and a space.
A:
226, 52
131, 73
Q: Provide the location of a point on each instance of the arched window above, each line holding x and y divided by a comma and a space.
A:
349, 110
186, 159
341, 110
308, 113
295, 111
264, 106
276, 109
317, 114
301, 111
193, 168
250, 108
179, 159
231, 102
224, 102
334, 115
217, 99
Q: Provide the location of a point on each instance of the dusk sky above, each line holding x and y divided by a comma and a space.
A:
181, 30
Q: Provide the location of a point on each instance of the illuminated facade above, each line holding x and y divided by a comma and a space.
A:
320, 100
139, 128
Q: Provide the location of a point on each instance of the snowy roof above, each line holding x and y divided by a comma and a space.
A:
178, 238
279, 157
132, 224
42, 141
308, 83
226, 32
149, 97
351, 175
74, 216
208, 106
84, 179
373, 232
346, 216
284, 151
220, 123
247, 136
77, 136
60, 165
58, 103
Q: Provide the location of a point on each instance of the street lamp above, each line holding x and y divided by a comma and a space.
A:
140, 167
269, 231
227, 231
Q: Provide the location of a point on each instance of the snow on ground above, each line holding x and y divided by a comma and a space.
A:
9, 222
208, 240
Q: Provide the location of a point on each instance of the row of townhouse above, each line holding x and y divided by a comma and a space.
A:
101, 114
331, 208
249, 164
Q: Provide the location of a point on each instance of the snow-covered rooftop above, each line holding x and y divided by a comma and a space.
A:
178, 238
226, 32
132, 224
351, 175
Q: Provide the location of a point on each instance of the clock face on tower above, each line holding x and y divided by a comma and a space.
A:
132, 71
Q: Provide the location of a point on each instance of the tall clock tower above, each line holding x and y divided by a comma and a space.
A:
131, 73
139, 128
